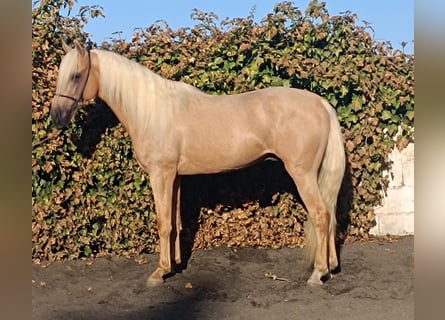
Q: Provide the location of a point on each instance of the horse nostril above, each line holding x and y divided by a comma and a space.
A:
57, 116
54, 112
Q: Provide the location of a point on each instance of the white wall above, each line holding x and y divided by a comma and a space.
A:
396, 216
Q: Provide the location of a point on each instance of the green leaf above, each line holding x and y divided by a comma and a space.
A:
276, 81
87, 251
386, 115
344, 91
356, 103
218, 60
326, 84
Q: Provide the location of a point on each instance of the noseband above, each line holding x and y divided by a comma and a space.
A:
76, 100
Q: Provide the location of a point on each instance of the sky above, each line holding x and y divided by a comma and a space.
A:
392, 20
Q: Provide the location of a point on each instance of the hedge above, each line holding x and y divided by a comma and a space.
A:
89, 196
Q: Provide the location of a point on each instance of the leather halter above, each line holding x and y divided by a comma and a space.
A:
76, 100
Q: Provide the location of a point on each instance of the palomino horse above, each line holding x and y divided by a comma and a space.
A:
178, 130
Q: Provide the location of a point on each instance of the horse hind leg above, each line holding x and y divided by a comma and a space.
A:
317, 236
334, 265
178, 222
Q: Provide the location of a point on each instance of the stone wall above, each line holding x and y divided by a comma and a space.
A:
396, 216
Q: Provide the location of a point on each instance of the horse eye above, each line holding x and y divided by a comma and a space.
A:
75, 76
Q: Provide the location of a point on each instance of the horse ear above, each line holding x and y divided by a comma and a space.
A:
66, 47
80, 49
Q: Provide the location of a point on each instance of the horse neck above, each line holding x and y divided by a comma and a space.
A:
132, 91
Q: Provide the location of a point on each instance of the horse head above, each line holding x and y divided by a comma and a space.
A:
76, 82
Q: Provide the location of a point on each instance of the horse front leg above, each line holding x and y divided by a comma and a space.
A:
163, 184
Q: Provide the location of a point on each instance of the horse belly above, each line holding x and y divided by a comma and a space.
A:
227, 149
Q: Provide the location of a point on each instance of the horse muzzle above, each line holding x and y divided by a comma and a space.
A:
61, 116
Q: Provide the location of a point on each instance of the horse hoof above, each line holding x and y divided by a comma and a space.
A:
316, 280
153, 282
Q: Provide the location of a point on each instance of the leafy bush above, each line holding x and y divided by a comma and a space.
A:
90, 197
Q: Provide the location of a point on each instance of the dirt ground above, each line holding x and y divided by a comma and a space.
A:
376, 282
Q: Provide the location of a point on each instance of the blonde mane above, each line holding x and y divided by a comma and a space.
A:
146, 98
